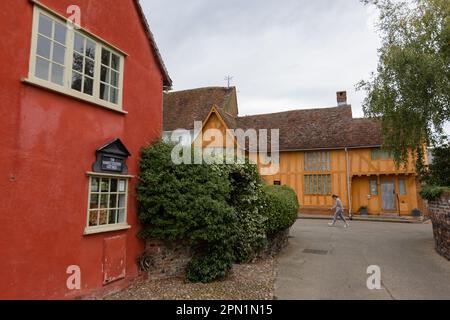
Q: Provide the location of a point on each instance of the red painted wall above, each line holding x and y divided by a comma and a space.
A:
47, 145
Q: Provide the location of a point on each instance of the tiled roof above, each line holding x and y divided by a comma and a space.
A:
325, 128
159, 59
182, 108
308, 129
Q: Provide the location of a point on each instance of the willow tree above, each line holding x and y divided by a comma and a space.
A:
410, 91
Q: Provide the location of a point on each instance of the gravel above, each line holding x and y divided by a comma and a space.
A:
253, 281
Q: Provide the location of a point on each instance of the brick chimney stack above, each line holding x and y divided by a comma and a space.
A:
342, 98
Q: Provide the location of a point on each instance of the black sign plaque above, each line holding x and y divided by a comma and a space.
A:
112, 164
112, 157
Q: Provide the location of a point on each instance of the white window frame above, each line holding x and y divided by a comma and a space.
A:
108, 227
66, 89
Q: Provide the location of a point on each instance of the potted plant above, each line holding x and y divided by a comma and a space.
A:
363, 211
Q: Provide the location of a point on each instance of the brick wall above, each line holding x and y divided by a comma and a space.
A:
440, 216
166, 259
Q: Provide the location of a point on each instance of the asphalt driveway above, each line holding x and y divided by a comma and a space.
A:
331, 263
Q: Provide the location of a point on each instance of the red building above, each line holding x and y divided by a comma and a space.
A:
76, 107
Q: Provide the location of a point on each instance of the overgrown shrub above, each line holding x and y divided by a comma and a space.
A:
223, 211
188, 202
246, 198
432, 193
213, 264
280, 207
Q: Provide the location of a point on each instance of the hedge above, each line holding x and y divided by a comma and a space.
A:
280, 207
223, 211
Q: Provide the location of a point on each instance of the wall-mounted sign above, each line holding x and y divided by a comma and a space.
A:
112, 164
111, 158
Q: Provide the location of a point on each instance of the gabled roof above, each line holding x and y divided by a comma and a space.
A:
116, 147
306, 129
183, 108
151, 38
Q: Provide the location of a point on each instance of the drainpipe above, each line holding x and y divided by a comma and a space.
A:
348, 184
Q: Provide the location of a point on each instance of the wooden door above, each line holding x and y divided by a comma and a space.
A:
388, 197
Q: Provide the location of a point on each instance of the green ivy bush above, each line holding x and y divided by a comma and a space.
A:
280, 207
224, 212
190, 203
246, 198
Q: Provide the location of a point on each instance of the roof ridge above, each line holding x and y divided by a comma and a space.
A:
199, 89
296, 110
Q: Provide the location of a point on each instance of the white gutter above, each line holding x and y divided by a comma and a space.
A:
348, 184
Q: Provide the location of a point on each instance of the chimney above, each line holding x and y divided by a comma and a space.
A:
342, 98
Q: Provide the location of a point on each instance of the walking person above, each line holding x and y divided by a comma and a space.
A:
339, 212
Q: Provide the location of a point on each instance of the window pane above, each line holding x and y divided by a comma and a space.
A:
42, 68
122, 203
402, 186
374, 187
89, 67
121, 216
105, 57
113, 185
104, 201
43, 47
115, 62
59, 53
122, 185
93, 218
94, 184
113, 95
79, 43
57, 74
112, 217
77, 62
114, 79
76, 81
104, 92
94, 201
113, 201
104, 76
103, 219
90, 49
88, 86
60, 33
45, 26
104, 185
374, 154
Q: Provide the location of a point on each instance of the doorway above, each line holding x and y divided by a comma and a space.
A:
388, 196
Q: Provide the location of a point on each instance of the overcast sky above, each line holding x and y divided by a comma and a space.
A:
284, 55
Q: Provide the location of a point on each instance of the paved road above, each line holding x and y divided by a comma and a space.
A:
410, 267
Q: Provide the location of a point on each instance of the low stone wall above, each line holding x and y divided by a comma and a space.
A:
164, 259
275, 243
440, 216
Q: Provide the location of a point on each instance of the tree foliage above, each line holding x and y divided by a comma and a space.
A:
410, 92
438, 173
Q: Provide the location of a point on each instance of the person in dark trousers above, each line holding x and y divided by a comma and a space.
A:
339, 212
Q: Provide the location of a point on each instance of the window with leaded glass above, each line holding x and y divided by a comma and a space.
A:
317, 161
107, 201
317, 184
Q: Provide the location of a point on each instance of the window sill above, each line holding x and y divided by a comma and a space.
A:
109, 175
71, 93
97, 230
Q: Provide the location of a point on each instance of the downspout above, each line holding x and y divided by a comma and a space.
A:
348, 184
